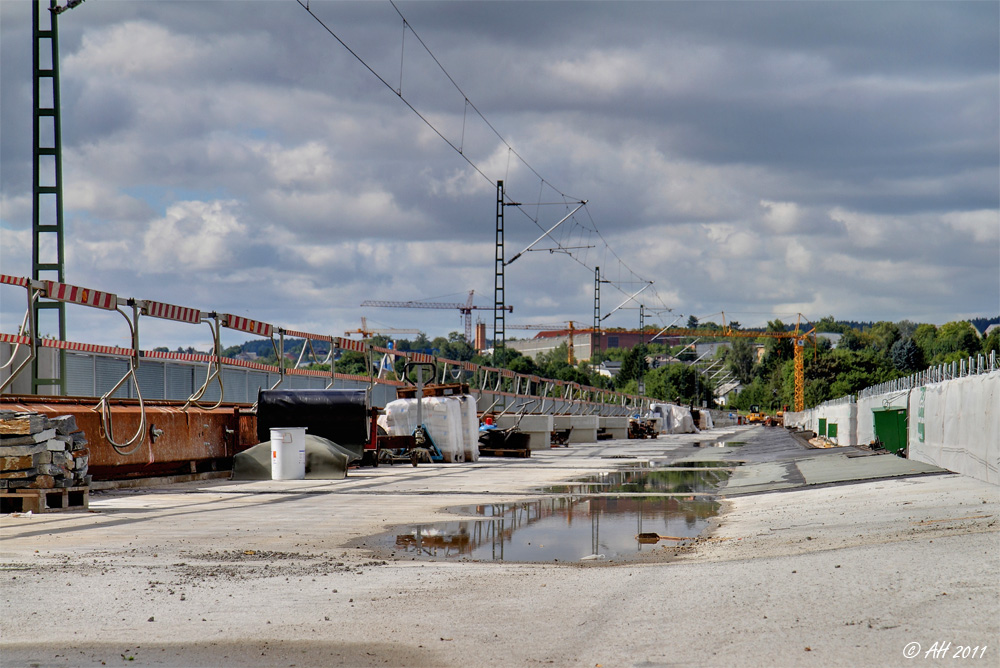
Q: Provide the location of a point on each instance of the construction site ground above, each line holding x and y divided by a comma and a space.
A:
832, 557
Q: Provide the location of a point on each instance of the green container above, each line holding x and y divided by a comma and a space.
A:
831, 430
890, 428
822, 427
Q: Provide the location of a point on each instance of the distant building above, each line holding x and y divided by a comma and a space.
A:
832, 337
609, 368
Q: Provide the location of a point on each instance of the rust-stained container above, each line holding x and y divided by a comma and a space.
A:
175, 441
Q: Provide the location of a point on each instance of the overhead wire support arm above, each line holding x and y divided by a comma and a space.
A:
630, 298
547, 233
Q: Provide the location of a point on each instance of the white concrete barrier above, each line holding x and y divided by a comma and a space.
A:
956, 425
538, 428
584, 427
615, 427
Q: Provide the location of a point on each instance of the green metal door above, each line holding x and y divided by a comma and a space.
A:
890, 428
822, 427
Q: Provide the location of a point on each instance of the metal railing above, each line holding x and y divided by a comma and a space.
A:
972, 366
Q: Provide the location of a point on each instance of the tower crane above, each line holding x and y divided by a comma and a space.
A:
797, 336
557, 329
366, 332
465, 309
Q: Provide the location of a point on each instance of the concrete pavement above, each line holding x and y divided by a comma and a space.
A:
804, 567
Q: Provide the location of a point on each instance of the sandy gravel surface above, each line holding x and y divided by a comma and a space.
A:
269, 574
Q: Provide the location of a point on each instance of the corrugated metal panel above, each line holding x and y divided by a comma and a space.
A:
79, 375
109, 372
236, 385
151, 376
255, 381
180, 381
212, 392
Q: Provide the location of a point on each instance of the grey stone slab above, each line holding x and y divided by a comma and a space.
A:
840, 468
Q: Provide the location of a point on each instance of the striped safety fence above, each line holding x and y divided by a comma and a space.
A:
15, 339
242, 324
74, 294
14, 280
85, 347
307, 335
171, 312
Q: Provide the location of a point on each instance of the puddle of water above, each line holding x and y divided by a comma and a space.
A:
719, 444
559, 529
717, 463
645, 480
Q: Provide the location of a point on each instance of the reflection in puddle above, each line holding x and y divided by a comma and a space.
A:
566, 529
645, 480
577, 527
719, 444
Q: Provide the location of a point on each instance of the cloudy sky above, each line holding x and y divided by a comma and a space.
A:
759, 158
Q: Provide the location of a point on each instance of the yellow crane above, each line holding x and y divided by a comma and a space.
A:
365, 332
797, 336
557, 329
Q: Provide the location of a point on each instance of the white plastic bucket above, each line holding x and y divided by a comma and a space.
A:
288, 453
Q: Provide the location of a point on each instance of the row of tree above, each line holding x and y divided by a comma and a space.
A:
867, 355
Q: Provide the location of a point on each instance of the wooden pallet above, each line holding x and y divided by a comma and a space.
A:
501, 452
44, 500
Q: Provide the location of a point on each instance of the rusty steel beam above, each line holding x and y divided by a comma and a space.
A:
176, 442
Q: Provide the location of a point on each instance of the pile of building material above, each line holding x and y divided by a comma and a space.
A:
43, 462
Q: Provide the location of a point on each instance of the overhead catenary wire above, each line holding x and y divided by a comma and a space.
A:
460, 147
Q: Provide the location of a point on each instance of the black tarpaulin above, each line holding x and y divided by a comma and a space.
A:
338, 415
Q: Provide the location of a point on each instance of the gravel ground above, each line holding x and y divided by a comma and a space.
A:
285, 574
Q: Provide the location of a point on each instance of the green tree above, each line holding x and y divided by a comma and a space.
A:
925, 336
906, 356
992, 342
883, 335
742, 358
956, 338
633, 365
352, 362
852, 339
679, 382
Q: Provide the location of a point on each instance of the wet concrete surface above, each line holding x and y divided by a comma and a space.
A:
823, 571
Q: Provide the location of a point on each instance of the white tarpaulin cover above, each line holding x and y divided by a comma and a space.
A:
676, 419
443, 418
956, 425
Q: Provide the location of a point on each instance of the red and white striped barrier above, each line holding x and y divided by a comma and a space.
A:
64, 292
307, 335
14, 280
246, 325
85, 347
171, 312
16, 339
348, 344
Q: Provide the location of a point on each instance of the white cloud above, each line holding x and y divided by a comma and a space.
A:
194, 236
780, 217
983, 226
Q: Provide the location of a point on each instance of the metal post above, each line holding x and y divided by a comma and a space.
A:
499, 299
595, 335
53, 268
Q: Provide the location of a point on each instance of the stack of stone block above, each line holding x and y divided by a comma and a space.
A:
39, 452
